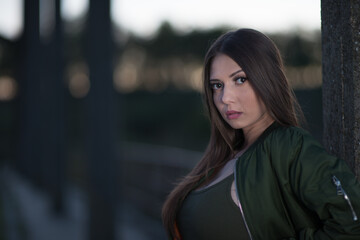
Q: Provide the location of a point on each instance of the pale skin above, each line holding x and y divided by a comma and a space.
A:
236, 100
238, 104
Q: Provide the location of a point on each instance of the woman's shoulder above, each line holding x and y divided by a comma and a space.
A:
297, 146
291, 134
291, 139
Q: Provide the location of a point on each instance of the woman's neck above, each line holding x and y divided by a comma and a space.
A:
252, 133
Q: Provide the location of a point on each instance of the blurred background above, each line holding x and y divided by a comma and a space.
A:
101, 107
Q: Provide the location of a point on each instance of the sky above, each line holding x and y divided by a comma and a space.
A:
143, 17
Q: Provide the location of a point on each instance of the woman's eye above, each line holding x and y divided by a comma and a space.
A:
240, 80
216, 86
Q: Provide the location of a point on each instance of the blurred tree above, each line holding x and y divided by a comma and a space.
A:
297, 52
169, 42
299, 48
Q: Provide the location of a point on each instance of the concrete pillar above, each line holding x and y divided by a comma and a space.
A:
341, 79
103, 187
53, 125
29, 154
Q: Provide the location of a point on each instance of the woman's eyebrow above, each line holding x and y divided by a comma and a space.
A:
231, 75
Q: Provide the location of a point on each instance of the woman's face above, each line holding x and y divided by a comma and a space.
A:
234, 97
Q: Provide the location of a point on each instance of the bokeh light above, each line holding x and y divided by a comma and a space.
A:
8, 88
78, 80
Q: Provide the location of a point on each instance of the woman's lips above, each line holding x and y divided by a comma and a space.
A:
233, 114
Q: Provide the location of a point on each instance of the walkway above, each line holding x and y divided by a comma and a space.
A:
29, 217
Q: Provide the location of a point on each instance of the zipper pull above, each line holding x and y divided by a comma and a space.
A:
337, 183
340, 191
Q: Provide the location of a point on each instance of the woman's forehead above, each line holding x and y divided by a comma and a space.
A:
222, 65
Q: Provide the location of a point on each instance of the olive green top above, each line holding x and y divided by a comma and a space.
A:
211, 214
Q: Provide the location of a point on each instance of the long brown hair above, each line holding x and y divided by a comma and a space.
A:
260, 59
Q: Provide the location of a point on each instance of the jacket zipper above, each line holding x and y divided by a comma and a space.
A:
341, 191
239, 203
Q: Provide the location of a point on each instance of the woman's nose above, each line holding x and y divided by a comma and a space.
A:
228, 95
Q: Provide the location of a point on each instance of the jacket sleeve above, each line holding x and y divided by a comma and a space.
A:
326, 186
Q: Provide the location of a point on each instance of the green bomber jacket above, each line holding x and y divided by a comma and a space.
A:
289, 187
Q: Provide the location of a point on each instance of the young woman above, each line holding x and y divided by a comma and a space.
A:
261, 177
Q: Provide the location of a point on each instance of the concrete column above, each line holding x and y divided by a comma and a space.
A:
29, 154
103, 187
341, 79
